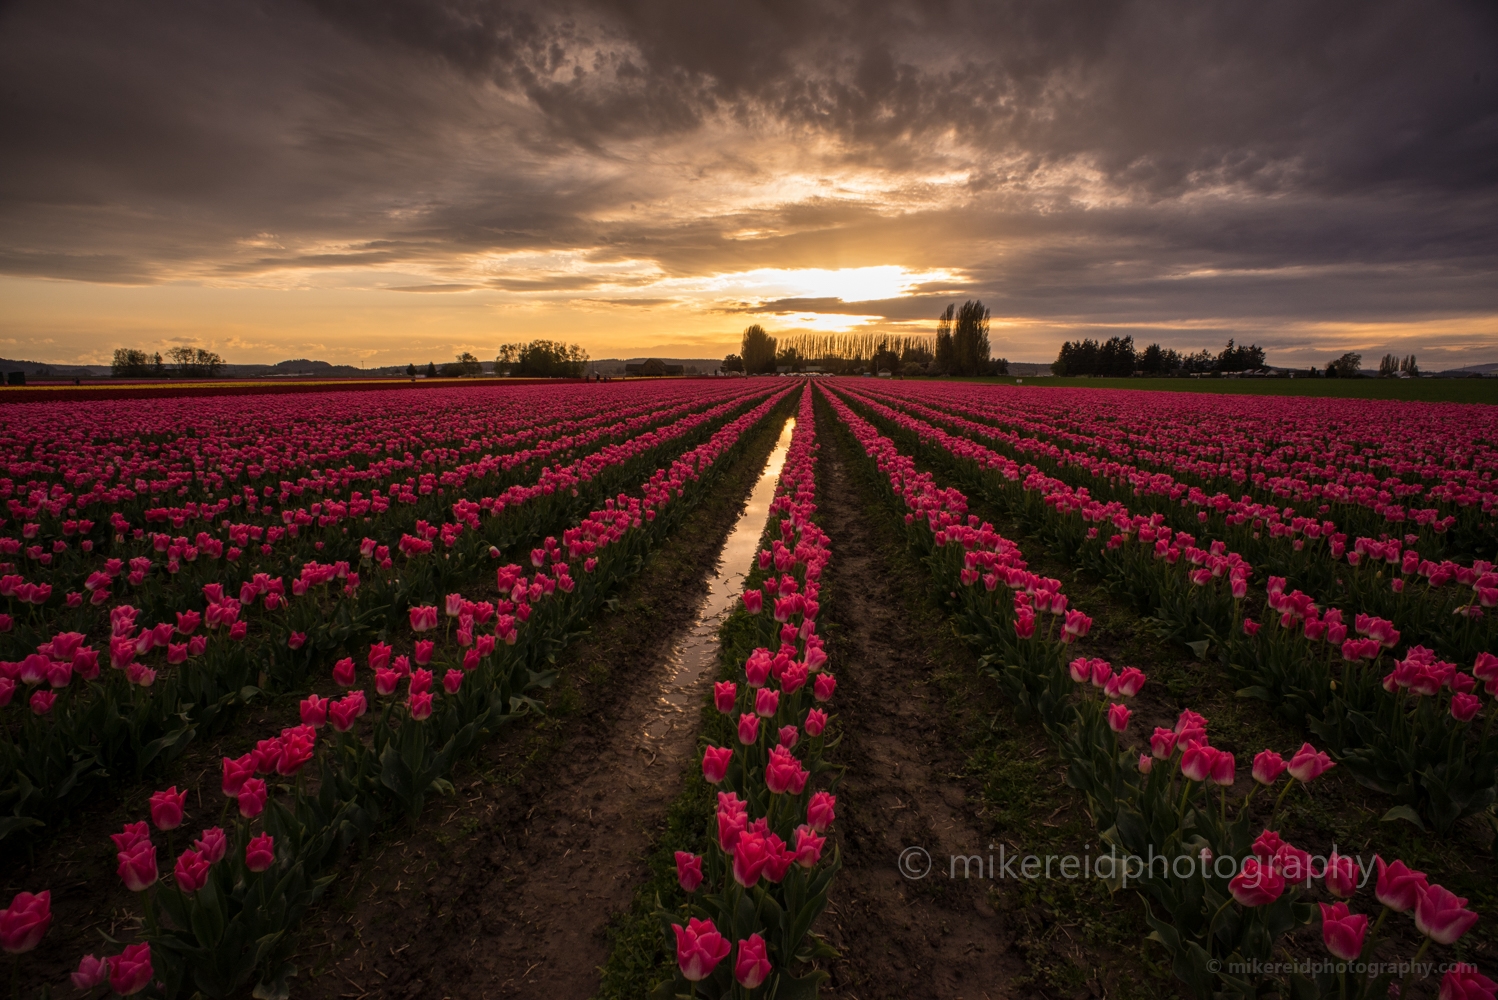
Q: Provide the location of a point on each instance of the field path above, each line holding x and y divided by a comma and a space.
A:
516, 902
899, 937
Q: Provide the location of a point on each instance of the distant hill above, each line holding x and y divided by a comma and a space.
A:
44, 368
690, 366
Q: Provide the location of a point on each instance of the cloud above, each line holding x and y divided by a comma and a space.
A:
1187, 170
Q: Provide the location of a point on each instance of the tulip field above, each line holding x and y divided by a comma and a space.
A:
251, 643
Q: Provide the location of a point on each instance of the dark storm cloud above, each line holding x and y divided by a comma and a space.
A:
1151, 161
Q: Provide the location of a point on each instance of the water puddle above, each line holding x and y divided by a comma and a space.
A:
695, 654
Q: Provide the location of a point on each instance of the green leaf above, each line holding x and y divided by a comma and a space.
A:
1199, 647
1404, 813
1257, 692
14, 824
788, 987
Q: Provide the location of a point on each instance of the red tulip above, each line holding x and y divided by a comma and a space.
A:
1343, 932
130, 971
1257, 883
752, 966
24, 923
252, 797
314, 711
715, 761
236, 773
820, 811
699, 948
1464, 982
166, 808
137, 865
212, 845
191, 871
688, 870
1309, 763
91, 972
1441, 915
260, 853
1268, 766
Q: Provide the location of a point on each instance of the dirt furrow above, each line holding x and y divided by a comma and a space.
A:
899, 936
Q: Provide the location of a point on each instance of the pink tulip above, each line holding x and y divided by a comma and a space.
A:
754, 601
386, 682
808, 847
342, 713
784, 773
130, 971
452, 681
42, 702
1441, 915
766, 702
750, 856
688, 870
1118, 717
1343, 932
816, 722
1309, 763
260, 853
820, 811
91, 972
296, 640
314, 711
343, 672
1398, 887
236, 772
1464, 707
1256, 883
789, 736
1464, 982
715, 761
166, 808
191, 871
379, 656
1163, 743
1268, 766
252, 798
724, 695
699, 948
423, 619
1126, 684
423, 652
24, 923
1146, 763
212, 845
748, 728
420, 705
1197, 761
137, 865
823, 687
421, 681
1224, 769
752, 966
1341, 876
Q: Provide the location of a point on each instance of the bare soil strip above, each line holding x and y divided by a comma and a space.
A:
904, 788
507, 890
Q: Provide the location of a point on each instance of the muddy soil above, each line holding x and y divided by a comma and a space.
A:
507, 891
904, 799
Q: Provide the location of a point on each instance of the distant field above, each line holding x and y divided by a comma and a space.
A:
1427, 390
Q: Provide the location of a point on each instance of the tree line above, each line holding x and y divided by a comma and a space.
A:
1117, 357
180, 362
537, 359
960, 346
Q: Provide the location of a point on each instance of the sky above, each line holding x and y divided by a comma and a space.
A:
384, 181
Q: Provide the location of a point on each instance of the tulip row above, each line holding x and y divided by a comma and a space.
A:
234, 895
752, 896
1437, 763
1441, 602
1319, 454
128, 720
1216, 920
